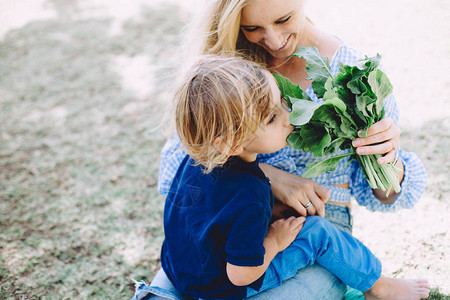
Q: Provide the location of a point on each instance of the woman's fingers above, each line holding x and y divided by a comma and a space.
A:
311, 208
316, 207
382, 137
297, 205
296, 192
380, 126
377, 148
321, 191
388, 158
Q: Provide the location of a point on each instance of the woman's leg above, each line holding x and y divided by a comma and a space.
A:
312, 282
160, 288
340, 216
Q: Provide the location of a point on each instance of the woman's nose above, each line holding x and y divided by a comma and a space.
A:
272, 39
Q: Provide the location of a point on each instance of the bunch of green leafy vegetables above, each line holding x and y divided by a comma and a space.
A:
352, 101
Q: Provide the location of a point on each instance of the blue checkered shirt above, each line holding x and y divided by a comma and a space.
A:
295, 161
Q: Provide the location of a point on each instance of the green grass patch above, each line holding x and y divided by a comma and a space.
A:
436, 295
81, 215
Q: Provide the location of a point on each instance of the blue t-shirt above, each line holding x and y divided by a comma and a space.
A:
211, 219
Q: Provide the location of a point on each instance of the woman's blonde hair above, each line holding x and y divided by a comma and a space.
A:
220, 103
217, 31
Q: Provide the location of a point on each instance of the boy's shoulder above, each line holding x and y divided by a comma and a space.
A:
234, 169
236, 179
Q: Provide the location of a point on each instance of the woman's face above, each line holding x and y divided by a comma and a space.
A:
275, 25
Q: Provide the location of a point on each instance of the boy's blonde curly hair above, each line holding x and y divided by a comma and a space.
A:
220, 103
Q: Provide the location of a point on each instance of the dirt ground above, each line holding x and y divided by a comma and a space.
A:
414, 39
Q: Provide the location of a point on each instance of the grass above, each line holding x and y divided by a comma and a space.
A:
78, 168
79, 157
436, 295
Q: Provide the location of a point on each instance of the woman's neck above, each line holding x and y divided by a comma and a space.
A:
311, 36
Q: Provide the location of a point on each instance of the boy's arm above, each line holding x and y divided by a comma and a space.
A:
241, 276
280, 235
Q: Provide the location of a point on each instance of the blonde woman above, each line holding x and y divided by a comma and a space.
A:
270, 31
219, 241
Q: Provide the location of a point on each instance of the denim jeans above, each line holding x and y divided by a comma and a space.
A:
335, 250
310, 282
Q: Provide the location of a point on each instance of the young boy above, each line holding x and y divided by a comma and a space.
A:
218, 241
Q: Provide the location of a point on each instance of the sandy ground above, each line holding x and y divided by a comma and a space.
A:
414, 39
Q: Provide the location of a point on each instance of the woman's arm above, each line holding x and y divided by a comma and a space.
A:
172, 155
297, 192
381, 195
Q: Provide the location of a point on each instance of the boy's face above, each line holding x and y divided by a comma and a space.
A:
272, 133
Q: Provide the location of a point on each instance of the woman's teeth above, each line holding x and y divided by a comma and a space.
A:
282, 45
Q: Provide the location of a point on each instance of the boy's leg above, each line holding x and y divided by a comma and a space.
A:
337, 251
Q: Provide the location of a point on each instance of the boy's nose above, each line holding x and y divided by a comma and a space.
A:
289, 125
286, 119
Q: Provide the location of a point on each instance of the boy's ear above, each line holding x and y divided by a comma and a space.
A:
236, 151
224, 148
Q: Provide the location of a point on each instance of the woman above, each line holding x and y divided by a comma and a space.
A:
270, 31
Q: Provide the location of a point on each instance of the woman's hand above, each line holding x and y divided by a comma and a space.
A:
297, 192
383, 137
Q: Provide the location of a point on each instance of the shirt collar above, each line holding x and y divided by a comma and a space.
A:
237, 163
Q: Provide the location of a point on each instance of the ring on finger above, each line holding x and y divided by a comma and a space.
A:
393, 146
396, 157
308, 205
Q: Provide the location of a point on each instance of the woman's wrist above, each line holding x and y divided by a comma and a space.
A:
273, 174
279, 182
381, 195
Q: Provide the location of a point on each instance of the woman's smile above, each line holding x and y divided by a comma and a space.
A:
284, 44
274, 27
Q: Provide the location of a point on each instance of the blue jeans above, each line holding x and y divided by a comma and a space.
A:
311, 282
335, 250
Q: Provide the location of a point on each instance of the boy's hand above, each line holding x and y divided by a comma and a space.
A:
279, 236
284, 231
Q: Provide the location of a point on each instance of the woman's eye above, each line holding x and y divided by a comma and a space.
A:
271, 119
249, 29
283, 21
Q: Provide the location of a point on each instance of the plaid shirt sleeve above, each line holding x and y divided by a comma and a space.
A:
172, 155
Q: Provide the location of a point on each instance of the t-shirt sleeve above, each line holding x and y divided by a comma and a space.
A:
244, 246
